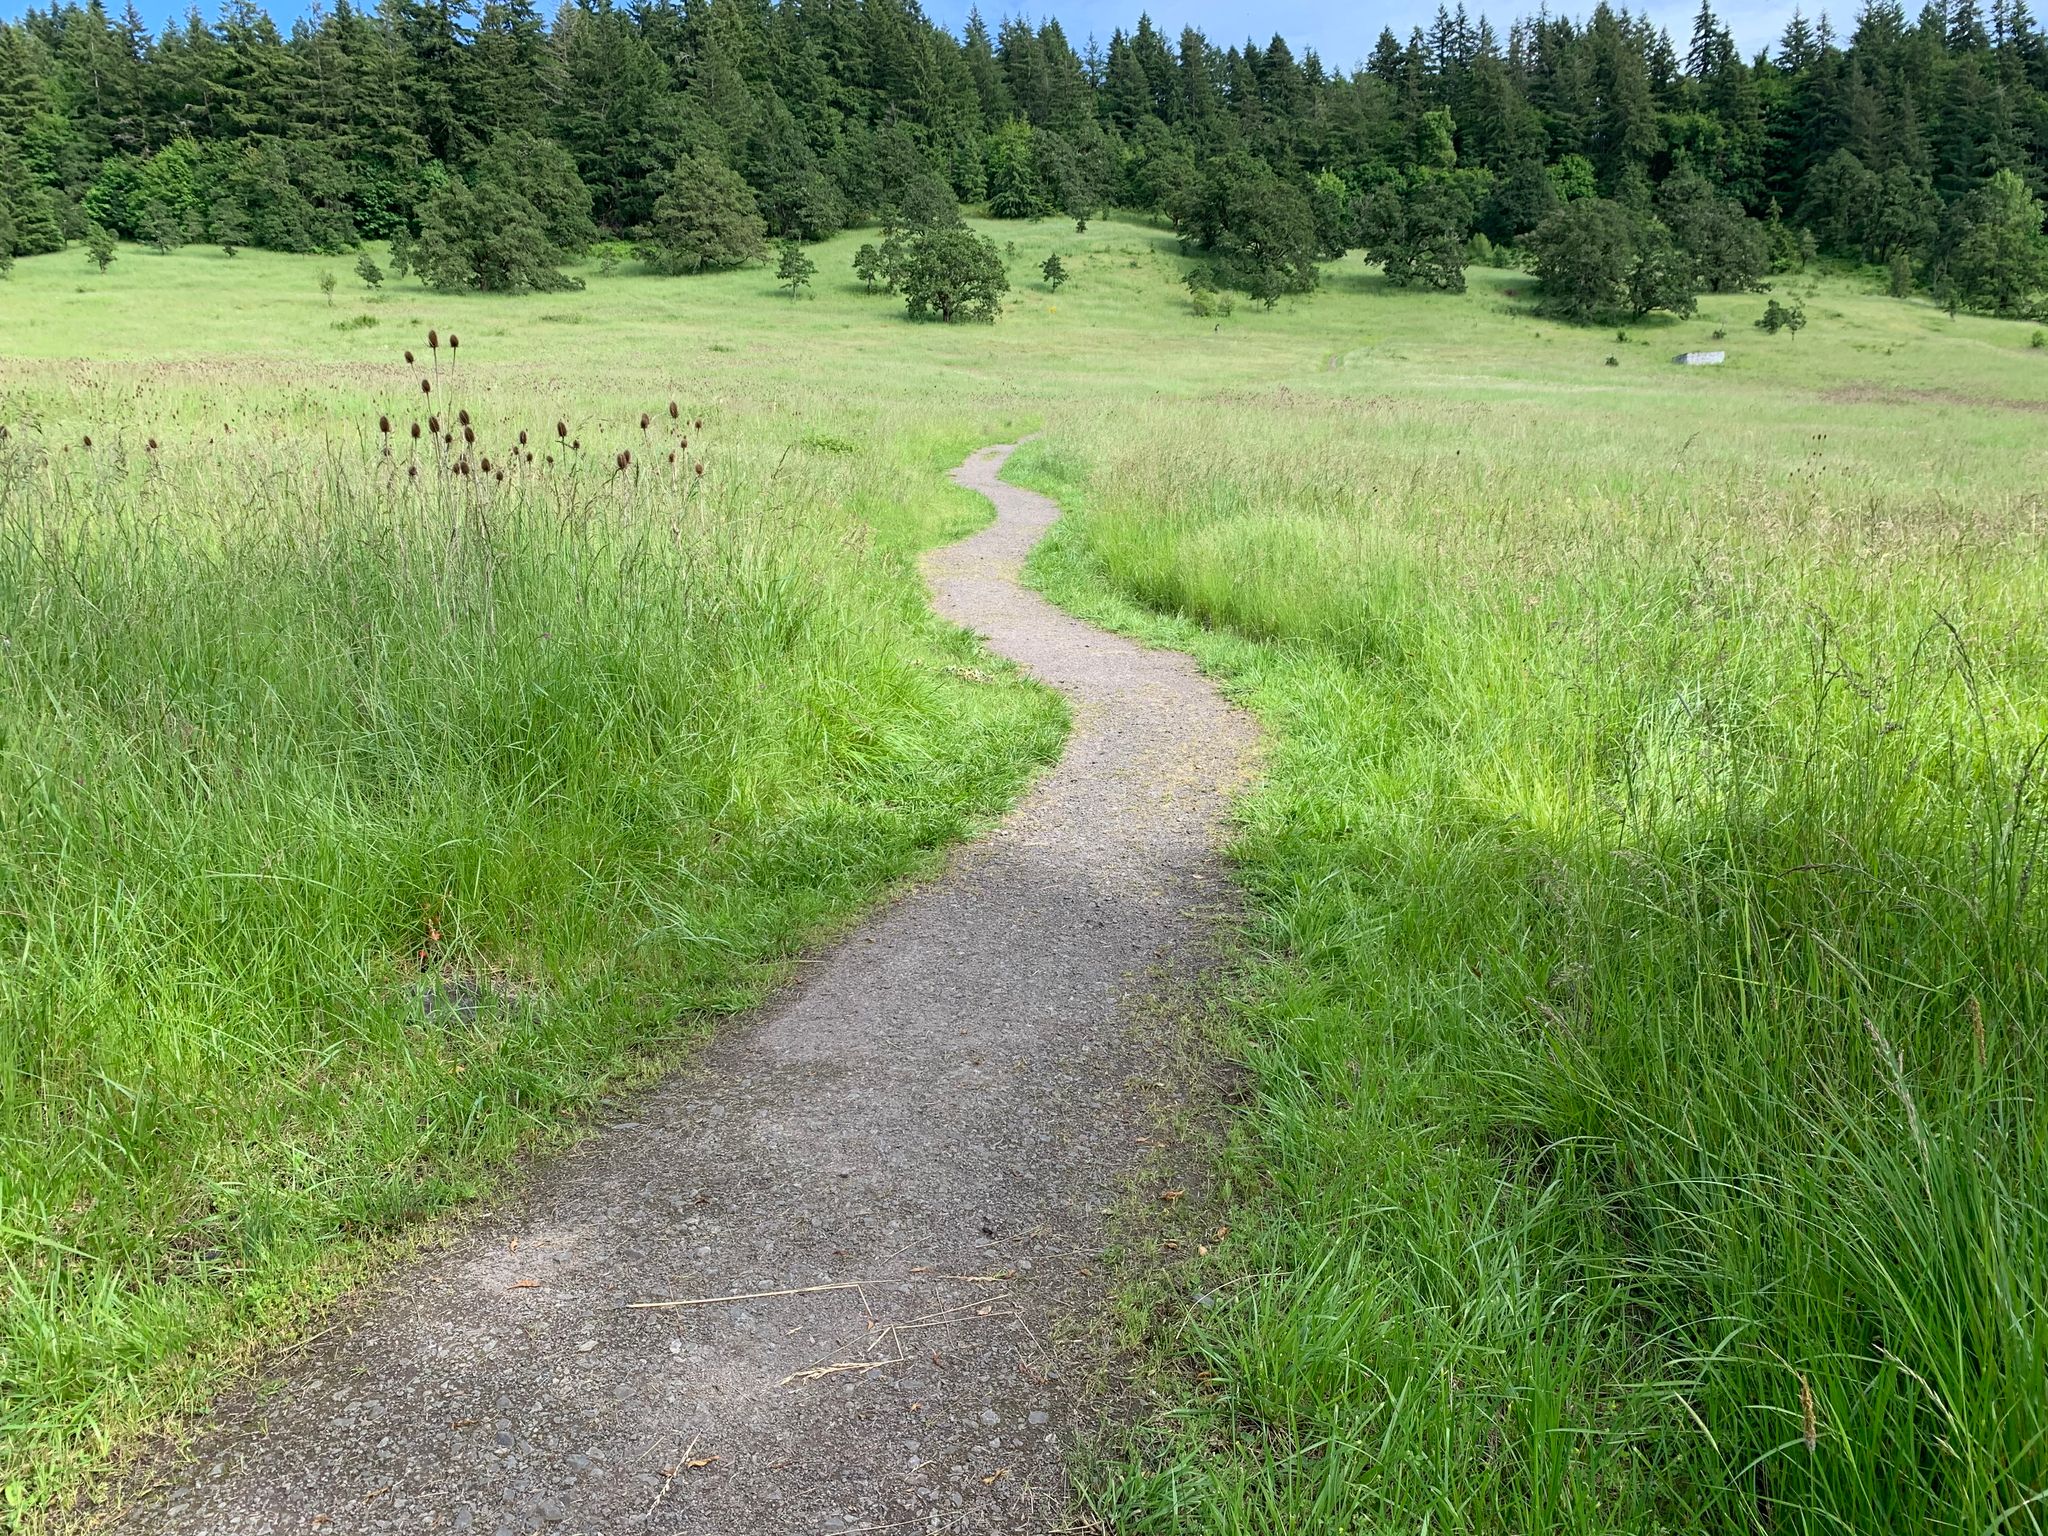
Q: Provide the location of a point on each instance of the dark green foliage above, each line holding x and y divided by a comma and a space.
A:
705, 218
867, 265
1994, 255
1782, 317
1728, 251
794, 270
543, 173
368, 270
1899, 276
487, 237
1866, 147
228, 225
162, 229
1053, 272
27, 205
951, 274
99, 246
1256, 227
6, 242
1418, 233
1597, 259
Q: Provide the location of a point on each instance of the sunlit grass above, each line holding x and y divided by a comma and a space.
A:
1647, 1018
1645, 984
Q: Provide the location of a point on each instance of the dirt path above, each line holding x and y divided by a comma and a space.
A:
919, 1138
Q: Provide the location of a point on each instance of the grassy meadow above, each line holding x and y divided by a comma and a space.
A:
1644, 980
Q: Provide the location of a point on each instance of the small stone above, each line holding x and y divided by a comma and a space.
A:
990, 1417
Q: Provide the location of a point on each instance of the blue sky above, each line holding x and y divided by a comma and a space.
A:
1343, 31
1340, 30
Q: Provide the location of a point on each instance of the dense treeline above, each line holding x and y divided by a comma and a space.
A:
1630, 171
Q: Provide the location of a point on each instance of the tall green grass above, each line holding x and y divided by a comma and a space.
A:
363, 820
1647, 1020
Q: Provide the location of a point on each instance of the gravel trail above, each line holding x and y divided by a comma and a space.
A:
915, 1143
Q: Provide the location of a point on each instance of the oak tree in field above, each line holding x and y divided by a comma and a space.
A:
1053, 272
794, 270
1728, 251
1256, 226
1418, 234
867, 265
954, 274
1597, 258
705, 219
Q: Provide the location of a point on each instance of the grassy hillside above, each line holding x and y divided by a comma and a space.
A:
1645, 1000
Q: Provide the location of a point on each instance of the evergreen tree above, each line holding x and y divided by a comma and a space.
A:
488, 238
704, 218
1053, 271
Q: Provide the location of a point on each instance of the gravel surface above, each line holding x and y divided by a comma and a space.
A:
919, 1139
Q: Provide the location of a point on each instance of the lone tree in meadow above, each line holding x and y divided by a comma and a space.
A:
867, 265
1782, 317
1053, 273
955, 274
705, 219
99, 246
368, 270
794, 270
327, 282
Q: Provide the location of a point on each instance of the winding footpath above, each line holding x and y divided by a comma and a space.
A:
911, 1149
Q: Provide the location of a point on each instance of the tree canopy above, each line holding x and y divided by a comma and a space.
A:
1902, 136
